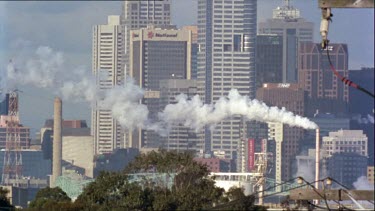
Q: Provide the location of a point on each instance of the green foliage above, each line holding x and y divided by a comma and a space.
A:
4, 202
50, 199
192, 189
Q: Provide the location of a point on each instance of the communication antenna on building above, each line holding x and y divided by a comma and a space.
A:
12, 167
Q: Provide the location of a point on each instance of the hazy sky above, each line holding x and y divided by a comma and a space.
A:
66, 27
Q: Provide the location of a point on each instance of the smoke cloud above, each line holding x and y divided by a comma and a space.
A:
195, 114
369, 119
362, 184
45, 69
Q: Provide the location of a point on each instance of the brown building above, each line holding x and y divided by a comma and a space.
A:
293, 98
215, 164
370, 174
326, 92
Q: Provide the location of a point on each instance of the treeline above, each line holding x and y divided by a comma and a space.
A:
191, 189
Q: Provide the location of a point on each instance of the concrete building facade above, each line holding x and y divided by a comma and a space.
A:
226, 60
347, 167
140, 14
107, 66
78, 150
326, 91
4, 104
370, 174
292, 97
269, 59
345, 141
157, 54
180, 138
286, 22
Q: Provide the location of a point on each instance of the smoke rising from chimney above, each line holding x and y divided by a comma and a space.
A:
46, 70
195, 114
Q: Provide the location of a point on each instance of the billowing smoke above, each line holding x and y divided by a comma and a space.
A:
45, 69
362, 184
369, 119
42, 70
195, 114
124, 102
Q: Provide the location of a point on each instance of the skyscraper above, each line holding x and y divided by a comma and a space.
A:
140, 14
4, 104
286, 21
157, 54
194, 50
108, 67
292, 97
269, 59
180, 138
327, 92
226, 60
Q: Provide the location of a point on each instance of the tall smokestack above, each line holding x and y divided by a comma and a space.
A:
317, 159
57, 143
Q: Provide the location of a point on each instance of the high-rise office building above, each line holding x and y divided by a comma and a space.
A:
226, 60
347, 167
345, 141
326, 91
292, 97
365, 78
286, 21
180, 138
194, 49
4, 104
140, 14
269, 59
108, 67
157, 54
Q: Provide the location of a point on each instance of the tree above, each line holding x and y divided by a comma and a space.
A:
4, 201
49, 198
192, 188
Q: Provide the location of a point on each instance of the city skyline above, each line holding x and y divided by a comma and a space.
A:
248, 88
77, 55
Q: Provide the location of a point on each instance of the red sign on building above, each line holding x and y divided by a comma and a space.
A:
251, 153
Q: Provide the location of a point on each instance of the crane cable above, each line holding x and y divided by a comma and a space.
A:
345, 80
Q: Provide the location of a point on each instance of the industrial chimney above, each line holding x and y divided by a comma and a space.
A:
57, 141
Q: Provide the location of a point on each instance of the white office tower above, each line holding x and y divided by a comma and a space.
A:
354, 141
140, 14
226, 60
107, 67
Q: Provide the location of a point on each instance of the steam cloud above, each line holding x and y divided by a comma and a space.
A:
362, 184
45, 70
364, 120
195, 114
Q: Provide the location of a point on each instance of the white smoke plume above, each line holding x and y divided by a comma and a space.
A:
362, 184
45, 69
195, 114
124, 103
369, 119
42, 70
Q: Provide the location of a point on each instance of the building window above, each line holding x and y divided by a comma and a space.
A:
227, 47
236, 42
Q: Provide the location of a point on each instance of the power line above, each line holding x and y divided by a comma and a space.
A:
345, 80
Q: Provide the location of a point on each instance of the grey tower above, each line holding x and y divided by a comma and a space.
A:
226, 60
57, 141
286, 22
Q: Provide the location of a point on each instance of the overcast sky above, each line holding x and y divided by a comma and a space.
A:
66, 27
